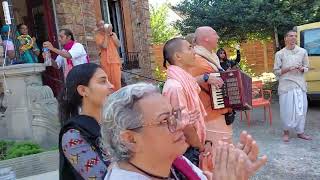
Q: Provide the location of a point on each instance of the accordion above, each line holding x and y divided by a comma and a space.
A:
236, 92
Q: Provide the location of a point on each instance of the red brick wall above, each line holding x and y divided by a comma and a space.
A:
158, 55
80, 17
253, 51
139, 22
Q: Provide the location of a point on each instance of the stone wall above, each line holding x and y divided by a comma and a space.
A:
80, 17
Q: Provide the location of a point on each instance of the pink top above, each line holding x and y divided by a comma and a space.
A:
182, 90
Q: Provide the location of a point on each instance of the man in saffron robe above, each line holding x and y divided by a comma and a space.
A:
109, 43
206, 62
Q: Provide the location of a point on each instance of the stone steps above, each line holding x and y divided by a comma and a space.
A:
33, 164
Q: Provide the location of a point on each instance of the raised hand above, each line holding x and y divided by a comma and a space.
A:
205, 159
250, 151
189, 119
48, 45
229, 163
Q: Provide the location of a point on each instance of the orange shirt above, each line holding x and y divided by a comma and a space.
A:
201, 67
110, 54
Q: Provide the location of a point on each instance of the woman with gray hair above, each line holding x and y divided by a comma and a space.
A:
144, 136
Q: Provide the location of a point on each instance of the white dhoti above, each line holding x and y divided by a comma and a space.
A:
293, 110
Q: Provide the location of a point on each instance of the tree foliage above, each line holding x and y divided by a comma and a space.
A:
240, 20
160, 29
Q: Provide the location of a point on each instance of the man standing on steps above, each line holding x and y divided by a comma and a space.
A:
290, 65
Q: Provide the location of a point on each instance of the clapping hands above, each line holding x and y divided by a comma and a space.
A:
250, 150
237, 163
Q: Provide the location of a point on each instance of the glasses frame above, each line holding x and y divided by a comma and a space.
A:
172, 122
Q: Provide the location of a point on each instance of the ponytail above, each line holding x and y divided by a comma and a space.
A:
67, 109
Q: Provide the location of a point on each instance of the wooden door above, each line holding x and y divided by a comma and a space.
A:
42, 25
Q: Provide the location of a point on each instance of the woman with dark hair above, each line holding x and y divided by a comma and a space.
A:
80, 107
72, 54
225, 63
29, 50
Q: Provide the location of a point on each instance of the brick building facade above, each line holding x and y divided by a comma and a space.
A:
130, 20
81, 15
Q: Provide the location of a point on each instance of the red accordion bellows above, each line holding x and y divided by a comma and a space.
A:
236, 92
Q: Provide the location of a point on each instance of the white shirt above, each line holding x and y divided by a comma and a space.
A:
286, 58
78, 54
115, 173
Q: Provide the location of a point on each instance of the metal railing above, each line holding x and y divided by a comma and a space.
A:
130, 60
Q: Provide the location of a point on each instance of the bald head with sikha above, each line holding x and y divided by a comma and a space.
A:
207, 37
178, 51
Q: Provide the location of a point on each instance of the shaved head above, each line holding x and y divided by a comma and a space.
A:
190, 38
100, 22
207, 37
170, 48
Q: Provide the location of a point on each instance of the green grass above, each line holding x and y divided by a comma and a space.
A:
11, 149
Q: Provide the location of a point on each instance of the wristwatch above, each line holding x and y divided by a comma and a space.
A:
205, 77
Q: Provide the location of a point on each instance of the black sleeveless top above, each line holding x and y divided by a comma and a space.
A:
90, 130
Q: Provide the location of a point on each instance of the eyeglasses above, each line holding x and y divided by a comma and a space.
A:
171, 121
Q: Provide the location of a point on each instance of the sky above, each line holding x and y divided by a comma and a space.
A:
159, 2
172, 16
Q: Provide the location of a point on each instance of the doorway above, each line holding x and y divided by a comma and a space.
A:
39, 16
112, 14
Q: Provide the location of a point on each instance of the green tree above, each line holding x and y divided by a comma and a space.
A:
161, 30
240, 20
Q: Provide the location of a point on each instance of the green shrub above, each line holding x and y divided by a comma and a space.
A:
269, 82
159, 74
245, 67
161, 30
4, 145
10, 149
160, 85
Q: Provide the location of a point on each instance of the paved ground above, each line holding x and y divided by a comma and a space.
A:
296, 160
54, 175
